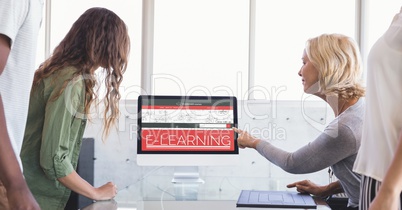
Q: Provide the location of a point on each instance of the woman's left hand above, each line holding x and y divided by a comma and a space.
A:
245, 139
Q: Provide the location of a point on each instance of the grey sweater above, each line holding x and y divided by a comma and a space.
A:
336, 147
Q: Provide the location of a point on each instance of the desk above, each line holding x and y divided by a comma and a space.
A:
159, 193
181, 205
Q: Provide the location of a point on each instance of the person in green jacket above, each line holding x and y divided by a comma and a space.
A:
63, 91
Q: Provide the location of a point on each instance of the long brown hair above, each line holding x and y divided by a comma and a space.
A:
98, 38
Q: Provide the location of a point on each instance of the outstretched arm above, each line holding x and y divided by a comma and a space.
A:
321, 153
391, 187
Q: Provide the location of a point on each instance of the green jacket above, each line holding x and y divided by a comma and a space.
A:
53, 136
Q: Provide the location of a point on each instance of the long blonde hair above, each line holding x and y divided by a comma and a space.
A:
98, 38
338, 60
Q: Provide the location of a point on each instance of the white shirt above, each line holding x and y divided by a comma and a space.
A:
20, 20
383, 118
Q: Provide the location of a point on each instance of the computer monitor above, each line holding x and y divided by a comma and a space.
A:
187, 130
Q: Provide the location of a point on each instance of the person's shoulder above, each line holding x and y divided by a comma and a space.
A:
72, 75
65, 73
360, 105
356, 110
66, 76
12, 16
351, 118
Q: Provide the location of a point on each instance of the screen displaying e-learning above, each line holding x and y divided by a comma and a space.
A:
187, 124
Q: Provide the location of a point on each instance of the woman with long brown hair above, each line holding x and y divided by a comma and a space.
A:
63, 91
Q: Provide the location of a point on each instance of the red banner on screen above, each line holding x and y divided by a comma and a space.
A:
187, 140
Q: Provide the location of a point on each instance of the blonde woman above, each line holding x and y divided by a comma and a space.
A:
61, 97
332, 71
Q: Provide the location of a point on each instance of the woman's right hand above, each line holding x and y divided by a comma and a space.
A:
106, 191
306, 186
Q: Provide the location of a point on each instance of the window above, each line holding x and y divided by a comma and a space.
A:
200, 47
378, 20
282, 28
40, 49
